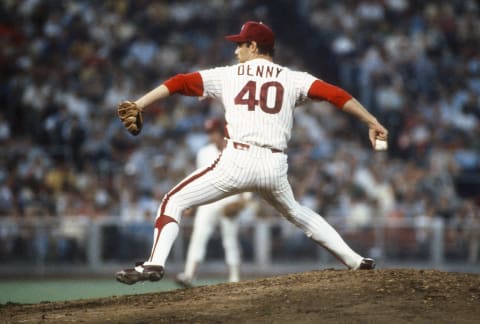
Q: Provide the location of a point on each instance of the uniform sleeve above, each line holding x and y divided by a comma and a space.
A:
320, 90
213, 81
190, 84
301, 84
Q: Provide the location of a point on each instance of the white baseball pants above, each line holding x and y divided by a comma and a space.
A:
244, 167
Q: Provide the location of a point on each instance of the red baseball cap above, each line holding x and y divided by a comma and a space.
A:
254, 31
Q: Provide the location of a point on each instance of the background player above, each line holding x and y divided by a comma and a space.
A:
223, 212
259, 98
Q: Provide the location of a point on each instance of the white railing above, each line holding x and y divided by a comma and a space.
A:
94, 245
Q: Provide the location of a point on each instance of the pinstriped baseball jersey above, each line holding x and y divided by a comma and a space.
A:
258, 97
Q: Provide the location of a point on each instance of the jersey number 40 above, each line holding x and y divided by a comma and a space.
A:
248, 94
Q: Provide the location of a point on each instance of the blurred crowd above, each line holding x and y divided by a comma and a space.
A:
65, 66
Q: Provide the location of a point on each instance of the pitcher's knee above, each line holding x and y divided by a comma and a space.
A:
171, 207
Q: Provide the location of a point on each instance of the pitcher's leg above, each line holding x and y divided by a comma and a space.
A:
314, 225
194, 190
201, 187
324, 234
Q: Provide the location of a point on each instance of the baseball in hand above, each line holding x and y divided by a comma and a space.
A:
380, 145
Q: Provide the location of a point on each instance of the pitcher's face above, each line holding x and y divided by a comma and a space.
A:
245, 51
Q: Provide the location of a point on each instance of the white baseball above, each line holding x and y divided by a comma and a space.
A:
380, 145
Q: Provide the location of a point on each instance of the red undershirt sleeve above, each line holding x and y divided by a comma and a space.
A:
320, 90
190, 84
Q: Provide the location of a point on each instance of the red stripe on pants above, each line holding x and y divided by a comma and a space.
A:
159, 224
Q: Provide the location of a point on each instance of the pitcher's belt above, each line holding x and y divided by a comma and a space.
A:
246, 147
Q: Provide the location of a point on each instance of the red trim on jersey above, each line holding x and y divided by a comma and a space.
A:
320, 90
190, 84
164, 219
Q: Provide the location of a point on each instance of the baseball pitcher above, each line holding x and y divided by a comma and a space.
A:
259, 97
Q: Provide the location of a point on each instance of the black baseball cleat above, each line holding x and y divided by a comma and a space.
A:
366, 264
140, 273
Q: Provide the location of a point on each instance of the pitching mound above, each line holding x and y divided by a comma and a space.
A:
326, 296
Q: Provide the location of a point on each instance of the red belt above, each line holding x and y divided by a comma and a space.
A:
246, 147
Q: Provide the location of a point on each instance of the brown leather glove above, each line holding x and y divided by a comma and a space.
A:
131, 116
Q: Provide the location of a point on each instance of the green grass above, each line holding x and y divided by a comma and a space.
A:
36, 291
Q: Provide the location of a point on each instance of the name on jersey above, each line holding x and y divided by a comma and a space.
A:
259, 70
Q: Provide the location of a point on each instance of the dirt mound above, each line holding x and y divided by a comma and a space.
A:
325, 296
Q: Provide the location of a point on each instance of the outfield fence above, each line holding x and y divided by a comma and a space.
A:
45, 246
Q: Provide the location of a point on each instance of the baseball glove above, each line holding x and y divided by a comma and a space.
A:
131, 116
